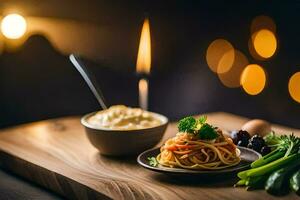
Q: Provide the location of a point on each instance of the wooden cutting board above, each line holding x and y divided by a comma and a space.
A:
57, 155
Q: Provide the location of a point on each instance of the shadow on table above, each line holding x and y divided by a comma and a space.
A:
219, 180
13, 186
203, 181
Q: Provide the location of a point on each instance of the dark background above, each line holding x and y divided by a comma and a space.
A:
38, 82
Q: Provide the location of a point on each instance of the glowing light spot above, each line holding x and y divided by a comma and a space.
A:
231, 78
253, 79
264, 43
263, 22
13, 26
294, 87
143, 63
220, 56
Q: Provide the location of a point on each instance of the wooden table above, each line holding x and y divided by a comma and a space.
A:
57, 155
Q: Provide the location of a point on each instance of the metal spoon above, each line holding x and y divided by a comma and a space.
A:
89, 79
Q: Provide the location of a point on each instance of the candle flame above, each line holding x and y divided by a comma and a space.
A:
143, 63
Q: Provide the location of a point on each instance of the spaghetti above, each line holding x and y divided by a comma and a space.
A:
187, 151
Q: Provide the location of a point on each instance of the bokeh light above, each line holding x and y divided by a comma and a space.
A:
13, 26
220, 56
232, 77
253, 79
294, 87
263, 22
264, 43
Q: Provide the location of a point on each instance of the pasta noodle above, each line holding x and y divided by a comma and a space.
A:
187, 151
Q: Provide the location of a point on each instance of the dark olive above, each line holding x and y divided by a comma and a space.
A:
265, 150
256, 143
243, 143
241, 137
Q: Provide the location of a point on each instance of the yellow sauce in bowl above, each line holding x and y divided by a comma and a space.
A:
120, 117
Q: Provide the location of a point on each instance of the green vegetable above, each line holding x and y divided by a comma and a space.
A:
253, 182
207, 132
274, 169
272, 139
152, 161
288, 143
285, 145
295, 182
187, 124
198, 127
241, 182
270, 167
257, 182
277, 183
202, 119
274, 155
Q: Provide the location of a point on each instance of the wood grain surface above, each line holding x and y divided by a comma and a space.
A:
57, 155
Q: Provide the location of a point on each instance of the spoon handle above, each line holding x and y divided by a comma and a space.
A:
89, 79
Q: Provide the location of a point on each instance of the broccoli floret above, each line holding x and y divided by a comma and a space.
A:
198, 127
207, 132
187, 124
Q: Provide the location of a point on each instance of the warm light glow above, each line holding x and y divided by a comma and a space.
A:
294, 87
13, 26
264, 43
143, 93
143, 63
90, 35
253, 79
231, 78
220, 56
263, 22
39, 133
226, 62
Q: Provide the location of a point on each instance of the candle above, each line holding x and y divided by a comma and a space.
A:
143, 64
143, 93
